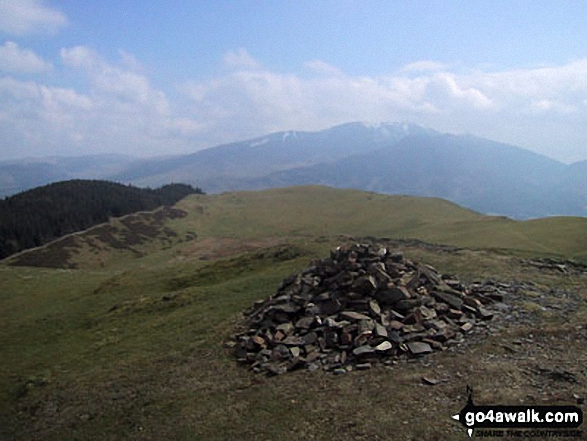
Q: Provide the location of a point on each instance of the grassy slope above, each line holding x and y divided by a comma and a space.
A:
313, 211
133, 350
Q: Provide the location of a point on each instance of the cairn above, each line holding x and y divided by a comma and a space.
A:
362, 305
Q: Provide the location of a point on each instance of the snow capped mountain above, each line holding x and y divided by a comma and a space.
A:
386, 157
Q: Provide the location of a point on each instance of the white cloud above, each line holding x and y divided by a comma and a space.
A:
321, 67
240, 59
125, 85
424, 66
525, 107
15, 59
444, 90
22, 17
121, 110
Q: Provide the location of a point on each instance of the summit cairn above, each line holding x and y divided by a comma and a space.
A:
361, 306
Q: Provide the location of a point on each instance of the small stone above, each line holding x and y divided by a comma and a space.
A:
286, 328
259, 341
395, 325
439, 325
363, 350
484, 314
352, 315
346, 338
365, 285
467, 327
293, 341
419, 348
430, 381
374, 308
382, 347
363, 366
275, 369
392, 296
366, 325
454, 314
452, 300
312, 367
339, 371
305, 322
380, 330
310, 338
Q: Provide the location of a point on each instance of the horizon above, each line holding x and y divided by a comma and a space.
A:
132, 156
148, 79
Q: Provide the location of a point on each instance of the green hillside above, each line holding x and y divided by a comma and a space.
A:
322, 211
118, 333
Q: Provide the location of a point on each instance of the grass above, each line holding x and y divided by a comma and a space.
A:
313, 211
133, 347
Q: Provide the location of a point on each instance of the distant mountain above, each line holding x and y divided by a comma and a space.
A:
396, 158
480, 174
485, 176
37, 216
274, 152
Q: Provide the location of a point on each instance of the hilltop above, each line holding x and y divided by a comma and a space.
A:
309, 212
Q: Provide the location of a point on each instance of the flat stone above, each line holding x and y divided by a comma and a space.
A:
395, 325
346, 338
329, 307
427, 313
312, 367
380, 330
450, 299
430, 381
484, 314
439, 325
391, 296
352, 315
288, 308
366, 325
382, 347
454, 314
419, 348
471, 301
363, 366
293, 341
310, 338
305, 322
275, 369
363, 350
286, 328
259, 341
467, 327
374, 308
365, 284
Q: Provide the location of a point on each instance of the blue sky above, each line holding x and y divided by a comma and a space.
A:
154, 78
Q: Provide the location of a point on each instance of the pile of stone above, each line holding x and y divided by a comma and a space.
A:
362, 305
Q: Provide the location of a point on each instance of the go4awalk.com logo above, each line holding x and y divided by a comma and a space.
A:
537, 421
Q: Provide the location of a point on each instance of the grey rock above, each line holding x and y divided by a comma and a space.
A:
363, 350
419, 348
352, 315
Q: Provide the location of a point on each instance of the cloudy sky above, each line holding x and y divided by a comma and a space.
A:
154, 77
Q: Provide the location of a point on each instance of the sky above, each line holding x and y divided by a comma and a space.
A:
154, 77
